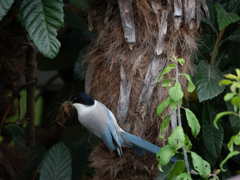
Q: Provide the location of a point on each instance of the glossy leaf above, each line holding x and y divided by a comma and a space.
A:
176, 170
56, 164
177, 138
187, 143
207, 81
42, 19
165, 154
192, 122
165, 71
167, 83
212, 137
219, 115
164, 124
5, 5
191, 86
175, 92
231, 154
200, 165
224, 18
228, 96
184, 176
162, 106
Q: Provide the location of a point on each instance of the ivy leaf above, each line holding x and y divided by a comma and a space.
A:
177, 138
165, 71
228, 96
192, 122
236, 103
165, 154
212, 137
42, 18
176, 170
56, 164
164, 124
162, 106
191, 86
184, 176
206, 81
4, 7
219, 115
181, 61
224, 18
167, 83
175, 92
231, 154
187, 143
200, 165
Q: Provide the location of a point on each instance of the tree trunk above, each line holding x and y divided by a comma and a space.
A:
134, 42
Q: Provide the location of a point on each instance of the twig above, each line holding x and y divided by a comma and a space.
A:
217, 45
180, 124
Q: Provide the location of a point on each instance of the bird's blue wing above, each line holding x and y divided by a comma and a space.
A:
110, 132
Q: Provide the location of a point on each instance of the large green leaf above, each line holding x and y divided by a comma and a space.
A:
177, 138
192, 122
224, 18
207, 81
4, 7
212, 137
235, 36
234, 6
42, 18
56, 164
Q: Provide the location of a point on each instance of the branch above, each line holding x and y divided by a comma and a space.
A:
217, 45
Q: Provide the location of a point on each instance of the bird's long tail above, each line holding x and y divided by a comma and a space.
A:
140, 145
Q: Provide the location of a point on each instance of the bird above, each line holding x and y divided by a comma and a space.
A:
99, 120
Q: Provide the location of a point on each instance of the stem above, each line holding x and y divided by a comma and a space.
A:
30, 76
217, 45
180, 124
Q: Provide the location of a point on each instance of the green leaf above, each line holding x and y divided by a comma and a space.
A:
237, 139
181, 61
234, 6
231, 154
173, 105
165, 154
233, 118
228, 96
42, 19
200, 165
162, 106
219, 115
192, 122
235, 102
164, 124
231, 143
167, 83
176, 170
230, 76
225, 82
177, 138
212, 137
206, 81
235, 36
4, 7
224, 18
83, 4
191, 86
184, 176
56, 164
175, 92
166, 70
187, 143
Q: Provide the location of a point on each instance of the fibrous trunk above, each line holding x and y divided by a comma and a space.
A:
134, 42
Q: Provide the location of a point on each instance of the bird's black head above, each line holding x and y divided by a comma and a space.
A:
82, 98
